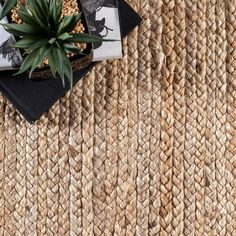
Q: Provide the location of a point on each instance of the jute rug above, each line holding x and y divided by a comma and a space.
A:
141, 146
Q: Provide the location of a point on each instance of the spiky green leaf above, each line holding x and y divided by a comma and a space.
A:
21, 29
28, 61
52, 64
72, 49
56, 53
84, 38
7, 7
52, 40
55, 12
38, 11
63, 36
38, 44
43, 53
24, 43
69, 22
27, 18
68, 70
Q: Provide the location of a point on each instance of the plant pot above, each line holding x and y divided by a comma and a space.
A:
77, 61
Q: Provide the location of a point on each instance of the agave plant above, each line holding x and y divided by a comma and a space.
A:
46, 35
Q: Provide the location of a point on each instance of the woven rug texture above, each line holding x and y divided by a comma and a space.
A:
145, 145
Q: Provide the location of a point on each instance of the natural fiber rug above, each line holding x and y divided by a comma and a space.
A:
141, 146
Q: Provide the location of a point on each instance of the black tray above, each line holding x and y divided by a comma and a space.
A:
33, 98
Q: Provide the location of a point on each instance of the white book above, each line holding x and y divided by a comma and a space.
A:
103, 20
10, 58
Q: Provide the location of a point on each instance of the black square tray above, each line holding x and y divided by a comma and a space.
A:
33, 98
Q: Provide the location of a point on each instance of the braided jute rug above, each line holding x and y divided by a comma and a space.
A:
141, 146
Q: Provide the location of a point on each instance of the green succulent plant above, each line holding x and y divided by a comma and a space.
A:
45, 34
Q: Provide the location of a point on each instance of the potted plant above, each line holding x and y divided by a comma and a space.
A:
46, 38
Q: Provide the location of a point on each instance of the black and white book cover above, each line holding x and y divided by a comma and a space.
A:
10, 58
103, 20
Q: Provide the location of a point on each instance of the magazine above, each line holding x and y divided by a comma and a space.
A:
103, 20
10, 58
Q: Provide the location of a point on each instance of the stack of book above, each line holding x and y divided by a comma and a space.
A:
103, 20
